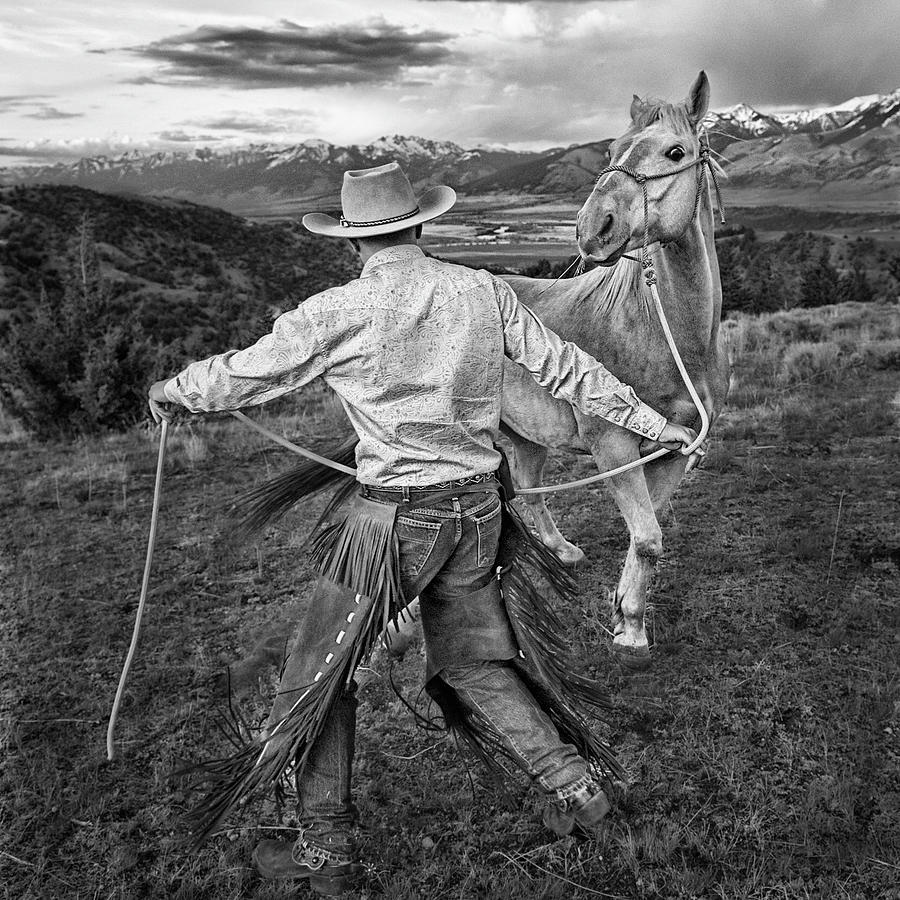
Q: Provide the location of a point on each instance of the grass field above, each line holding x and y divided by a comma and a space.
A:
763, 750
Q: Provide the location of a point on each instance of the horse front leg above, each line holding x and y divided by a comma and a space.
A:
632, 497
527, 464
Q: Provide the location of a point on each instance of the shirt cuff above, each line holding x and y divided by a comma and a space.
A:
170, 389
646, 421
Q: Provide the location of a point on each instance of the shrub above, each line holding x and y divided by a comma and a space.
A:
805, 360
74, 365
881, 354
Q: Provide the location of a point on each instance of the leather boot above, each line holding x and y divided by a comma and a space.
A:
329, 873
582, 813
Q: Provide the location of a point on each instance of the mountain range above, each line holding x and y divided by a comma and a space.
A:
852, 148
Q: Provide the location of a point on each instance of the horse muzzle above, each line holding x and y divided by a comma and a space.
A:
600, 238
593, 253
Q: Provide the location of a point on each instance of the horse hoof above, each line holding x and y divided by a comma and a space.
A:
569, 554
632, 659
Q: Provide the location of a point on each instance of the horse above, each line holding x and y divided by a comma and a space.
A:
649, 195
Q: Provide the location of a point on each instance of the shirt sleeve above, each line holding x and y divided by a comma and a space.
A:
568, 372
290, 356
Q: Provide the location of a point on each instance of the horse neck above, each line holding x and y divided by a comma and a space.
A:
688, 273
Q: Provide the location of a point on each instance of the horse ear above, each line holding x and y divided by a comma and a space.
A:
636, 106
698, 99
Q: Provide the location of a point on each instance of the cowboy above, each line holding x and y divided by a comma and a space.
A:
414, 349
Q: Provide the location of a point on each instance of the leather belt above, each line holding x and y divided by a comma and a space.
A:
485, 478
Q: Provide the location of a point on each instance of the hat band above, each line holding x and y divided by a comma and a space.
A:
346, 223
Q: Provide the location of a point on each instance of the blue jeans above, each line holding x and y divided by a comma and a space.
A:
448, 551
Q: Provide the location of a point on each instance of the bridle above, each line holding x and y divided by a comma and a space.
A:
702, 163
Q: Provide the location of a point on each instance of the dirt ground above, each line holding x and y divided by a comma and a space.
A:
763, 749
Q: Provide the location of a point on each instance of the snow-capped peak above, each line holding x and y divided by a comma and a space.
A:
407, 146
743, 116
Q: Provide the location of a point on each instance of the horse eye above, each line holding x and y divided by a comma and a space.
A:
676, 154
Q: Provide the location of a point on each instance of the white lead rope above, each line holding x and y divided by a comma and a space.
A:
544, 489
151, 545
294, 448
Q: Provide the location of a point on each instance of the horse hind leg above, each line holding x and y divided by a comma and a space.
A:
527, 464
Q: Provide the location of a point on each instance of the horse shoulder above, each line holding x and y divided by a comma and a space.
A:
568, 308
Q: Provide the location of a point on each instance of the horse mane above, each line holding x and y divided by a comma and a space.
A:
652, 109
612, 287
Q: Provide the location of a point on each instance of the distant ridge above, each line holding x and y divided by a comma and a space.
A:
856, 142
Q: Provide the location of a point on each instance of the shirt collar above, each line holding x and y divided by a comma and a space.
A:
397, 253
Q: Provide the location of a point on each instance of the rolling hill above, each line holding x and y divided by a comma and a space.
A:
193, 273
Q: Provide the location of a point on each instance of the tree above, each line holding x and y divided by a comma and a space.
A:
855, 284
765, 284
893, 267
820, 283
74, 365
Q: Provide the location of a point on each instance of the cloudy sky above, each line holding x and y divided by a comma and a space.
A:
84, 77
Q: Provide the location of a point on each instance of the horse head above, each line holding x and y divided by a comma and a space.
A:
662, 144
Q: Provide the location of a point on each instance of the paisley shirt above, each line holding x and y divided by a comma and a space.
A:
414, 350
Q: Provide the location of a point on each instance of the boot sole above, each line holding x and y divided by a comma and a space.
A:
324, 884
332, 885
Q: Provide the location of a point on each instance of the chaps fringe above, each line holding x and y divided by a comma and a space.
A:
360, 551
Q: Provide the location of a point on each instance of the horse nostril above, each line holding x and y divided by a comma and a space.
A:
606, 226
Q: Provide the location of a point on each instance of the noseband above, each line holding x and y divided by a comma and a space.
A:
702, 162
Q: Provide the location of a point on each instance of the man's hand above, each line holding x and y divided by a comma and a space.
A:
678, 437
161, 407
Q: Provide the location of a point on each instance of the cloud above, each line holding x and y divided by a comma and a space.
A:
183, 137
294, 55
12, 102
51, 112
39, 109
247, 123
273, 120
140, 79
569, 73
791, 54
49, 150
243, 123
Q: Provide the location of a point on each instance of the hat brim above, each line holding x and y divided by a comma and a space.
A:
433, 203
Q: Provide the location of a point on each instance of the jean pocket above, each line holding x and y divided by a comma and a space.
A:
417, 540
487, 527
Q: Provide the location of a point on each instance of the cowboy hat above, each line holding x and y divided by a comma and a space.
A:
379, 201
